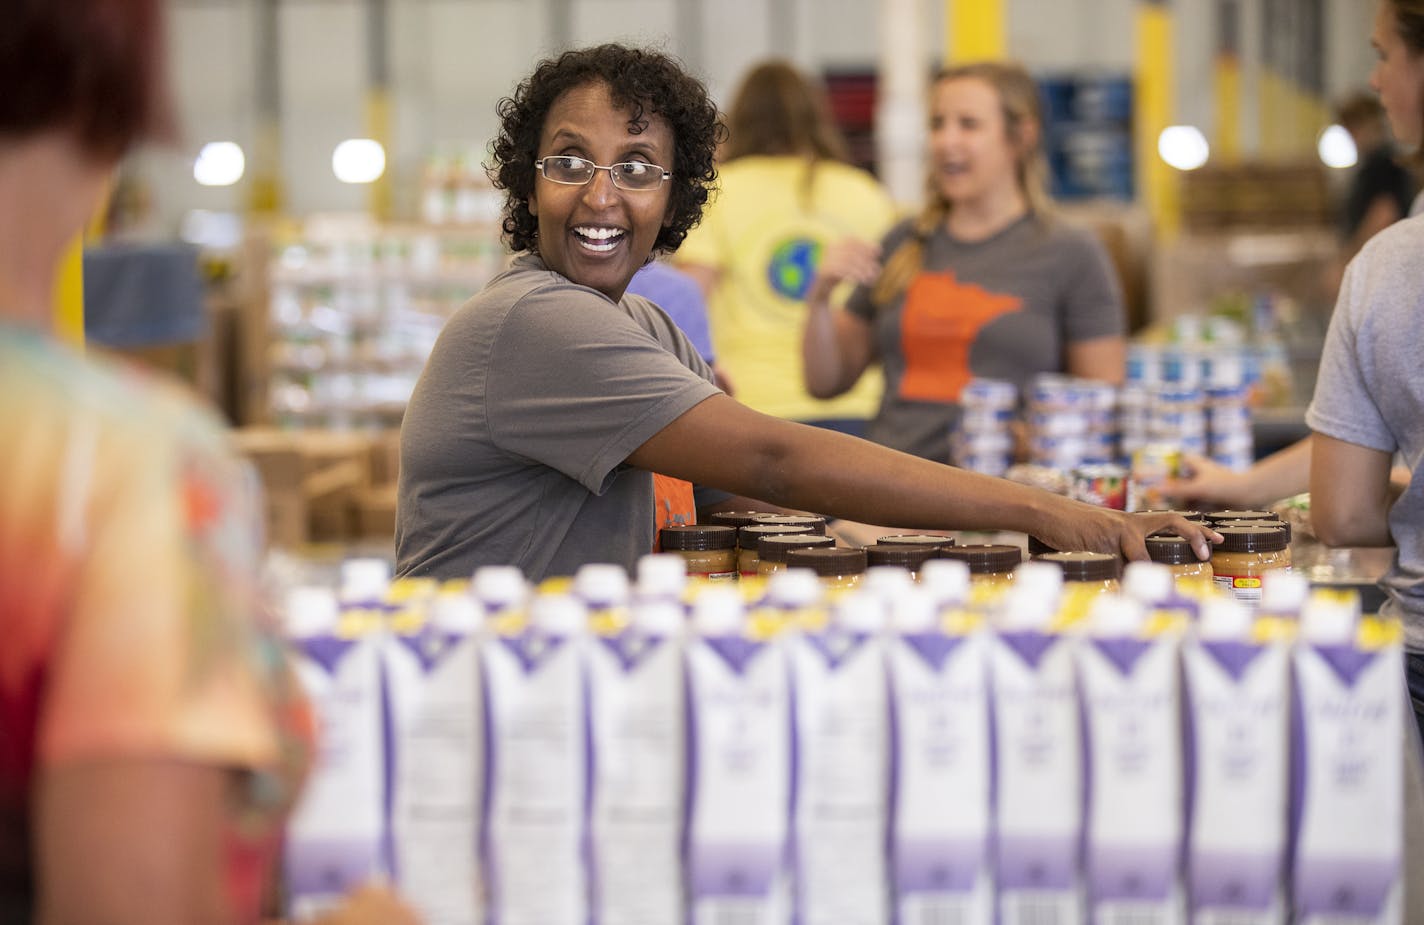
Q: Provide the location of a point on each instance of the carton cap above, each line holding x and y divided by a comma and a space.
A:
889, 581
718, 611
1116, 615
859, 612
1283, 592
794, 587
1225, 619
601, 584
946, 579
499, 586
659, 617
365, 579
662, 574
915, 611
1033, 598
456, 613
558, 614
1328, 619
1147, 582
310, 611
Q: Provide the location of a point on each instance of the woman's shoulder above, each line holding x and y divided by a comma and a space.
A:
1400, 243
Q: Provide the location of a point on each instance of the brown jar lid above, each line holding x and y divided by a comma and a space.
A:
1268, 524
697, 537
1037, 547
1217, 517
1251, 539
1085, 566
747, 536
816, 522
828, 561
905, 555
915, 539
985, 559
1170, 549
774, 548
734, 518
1196, 517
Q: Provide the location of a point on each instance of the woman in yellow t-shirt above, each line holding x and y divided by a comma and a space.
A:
786, 194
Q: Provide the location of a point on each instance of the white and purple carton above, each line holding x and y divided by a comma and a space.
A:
940, 745
1038, 779
1347, 802
1133, 830
336, 836
534, 838
841, 765
636, 713
1238, 702
738, 804
433, 760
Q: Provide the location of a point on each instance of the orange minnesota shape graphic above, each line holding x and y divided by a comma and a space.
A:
942, 318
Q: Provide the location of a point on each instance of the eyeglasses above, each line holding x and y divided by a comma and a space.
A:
576, 171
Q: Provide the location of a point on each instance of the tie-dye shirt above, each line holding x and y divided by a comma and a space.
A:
129, 603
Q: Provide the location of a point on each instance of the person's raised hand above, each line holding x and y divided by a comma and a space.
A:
1208, 484
847, 260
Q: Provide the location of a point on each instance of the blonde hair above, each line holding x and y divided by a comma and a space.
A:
1022, 111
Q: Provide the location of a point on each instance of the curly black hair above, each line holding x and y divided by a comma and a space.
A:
639, 80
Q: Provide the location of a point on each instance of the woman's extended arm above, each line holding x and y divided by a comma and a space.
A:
836, 346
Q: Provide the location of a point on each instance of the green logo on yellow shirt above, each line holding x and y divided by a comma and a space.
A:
793, 266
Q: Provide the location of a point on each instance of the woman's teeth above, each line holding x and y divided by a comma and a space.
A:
599, 239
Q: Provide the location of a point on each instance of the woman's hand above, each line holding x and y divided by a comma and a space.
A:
847, 260
1209, 484
1078, 527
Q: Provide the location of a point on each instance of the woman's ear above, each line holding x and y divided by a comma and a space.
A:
532, 204
1028, 137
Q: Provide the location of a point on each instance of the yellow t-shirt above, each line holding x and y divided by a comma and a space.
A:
765, 234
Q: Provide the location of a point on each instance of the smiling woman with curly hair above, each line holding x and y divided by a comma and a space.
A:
553, 396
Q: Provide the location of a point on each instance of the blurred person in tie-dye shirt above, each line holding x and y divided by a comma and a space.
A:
151, 737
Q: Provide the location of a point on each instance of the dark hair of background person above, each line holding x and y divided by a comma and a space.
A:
640, 80
1409, 22
1360, 110
778, 111
93, 67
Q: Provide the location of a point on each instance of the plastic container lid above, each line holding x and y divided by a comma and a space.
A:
985, 559
662, 574
747, 536
1218, 516
828, 562
1085, 566
1251, 539
946, 580
775, 547
859, 612
365, 579
734, 518
1267, 524
902, 555
601, 584
816, 522
659, 617
1224, 618
310, 610
1170, 549
558, 614
1147, 582
1196, 517
1116, 615
889, 581
499, 586
697, 537
718, 611
456, 613
915, 539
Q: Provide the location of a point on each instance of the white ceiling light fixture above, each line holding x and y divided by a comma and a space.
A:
1336, 148
219, 163
358, 160
1183, 147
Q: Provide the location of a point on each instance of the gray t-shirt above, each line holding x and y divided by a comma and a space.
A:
1370, 392
1004, 308
514, 441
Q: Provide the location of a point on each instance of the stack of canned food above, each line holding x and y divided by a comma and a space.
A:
983, 441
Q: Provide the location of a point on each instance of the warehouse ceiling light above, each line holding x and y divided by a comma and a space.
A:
1183, 147
1337, 148
219, 163
358, 160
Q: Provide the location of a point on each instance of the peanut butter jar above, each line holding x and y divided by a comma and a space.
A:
933, 540
734, 518
816, 522
747, 556
1277, 524
990, 566
772, 550
839, 568
710, 550
1244, 555
907, 556
1091, 571
1177, 554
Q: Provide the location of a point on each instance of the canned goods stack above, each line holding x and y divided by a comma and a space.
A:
1228, 414
1071, 422
1134, 418
1179, 417
983, 441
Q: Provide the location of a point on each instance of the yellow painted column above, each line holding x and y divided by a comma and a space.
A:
977, 30
1227, 84
69, 294
1153, 106
378, 127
